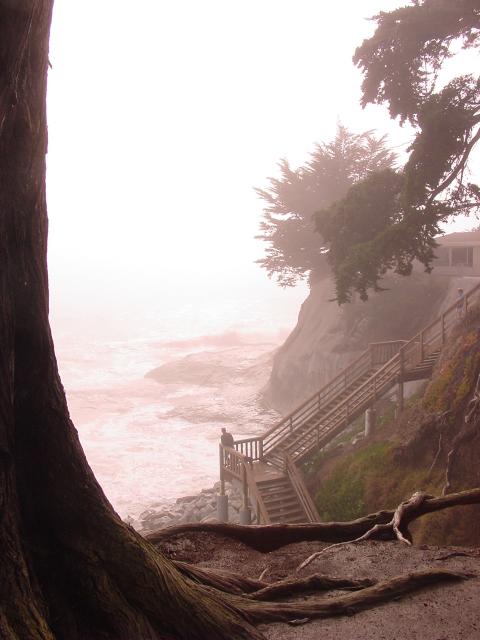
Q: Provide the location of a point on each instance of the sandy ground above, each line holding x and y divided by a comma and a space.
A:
448, 612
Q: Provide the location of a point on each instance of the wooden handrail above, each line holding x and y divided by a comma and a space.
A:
325, 395
261, 510
239, 466
250, 447
348, 407
301, 490
231, 461
315, 395
326, 413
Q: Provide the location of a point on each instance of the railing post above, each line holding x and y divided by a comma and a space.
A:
245, 515
421, 347
222, 499
260, 449
443, 329
369, 421
401, 374
222, 478
291, 425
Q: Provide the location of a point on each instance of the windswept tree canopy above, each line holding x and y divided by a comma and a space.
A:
294, 250
404, 67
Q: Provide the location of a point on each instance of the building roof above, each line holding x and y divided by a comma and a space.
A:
460, 238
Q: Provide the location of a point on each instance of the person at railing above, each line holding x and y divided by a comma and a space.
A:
460, 303
227, 439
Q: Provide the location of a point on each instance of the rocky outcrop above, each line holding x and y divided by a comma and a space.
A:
327, 337
201, 507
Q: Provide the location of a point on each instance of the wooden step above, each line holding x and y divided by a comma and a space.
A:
285, 515
287, 500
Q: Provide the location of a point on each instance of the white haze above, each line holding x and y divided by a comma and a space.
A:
163, 116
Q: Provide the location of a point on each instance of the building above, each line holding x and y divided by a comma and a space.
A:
458, 254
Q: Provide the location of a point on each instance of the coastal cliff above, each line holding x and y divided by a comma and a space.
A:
327, 337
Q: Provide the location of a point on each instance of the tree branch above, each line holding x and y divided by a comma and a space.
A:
459, 168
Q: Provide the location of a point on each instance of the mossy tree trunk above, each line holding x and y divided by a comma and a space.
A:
69, 567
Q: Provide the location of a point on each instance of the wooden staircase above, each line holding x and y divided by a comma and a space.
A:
281, 501
266, 464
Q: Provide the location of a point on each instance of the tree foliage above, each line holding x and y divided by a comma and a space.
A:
404, 67
294, 249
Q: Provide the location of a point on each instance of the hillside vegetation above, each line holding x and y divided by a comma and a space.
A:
434, 446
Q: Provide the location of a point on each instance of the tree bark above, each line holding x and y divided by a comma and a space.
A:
70, 568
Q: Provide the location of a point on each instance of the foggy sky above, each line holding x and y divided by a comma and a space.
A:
163, 116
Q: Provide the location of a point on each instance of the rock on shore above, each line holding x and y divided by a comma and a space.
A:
194, 508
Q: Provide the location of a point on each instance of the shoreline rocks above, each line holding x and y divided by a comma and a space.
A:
201, 507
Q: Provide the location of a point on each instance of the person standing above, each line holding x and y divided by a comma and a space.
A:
227, 439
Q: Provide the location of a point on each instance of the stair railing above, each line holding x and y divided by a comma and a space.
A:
238, 466
411, 354
345, 411
376, 354
255, 497
301, 490
252, 448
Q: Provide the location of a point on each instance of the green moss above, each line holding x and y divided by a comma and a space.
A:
342, 496
456, 379
369, 480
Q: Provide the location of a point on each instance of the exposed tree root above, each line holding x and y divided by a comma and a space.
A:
271, 537
442, 424
393, 527
221, 580
471, 421
315, 582
258, 612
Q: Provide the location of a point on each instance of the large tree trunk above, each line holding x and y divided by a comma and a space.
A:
69, 567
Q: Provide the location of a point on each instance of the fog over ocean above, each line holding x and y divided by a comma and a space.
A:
151, 440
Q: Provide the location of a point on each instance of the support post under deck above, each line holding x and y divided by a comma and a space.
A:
400, 390
369, 421
222, 498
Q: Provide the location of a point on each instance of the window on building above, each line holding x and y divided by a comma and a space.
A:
442, 257
462, 257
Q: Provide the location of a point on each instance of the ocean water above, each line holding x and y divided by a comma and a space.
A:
152, 438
